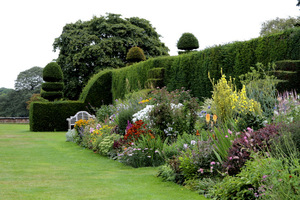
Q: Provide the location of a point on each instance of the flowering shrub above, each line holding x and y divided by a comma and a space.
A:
261, 178
288, 107
146, 151
228, 103
173, 112
248, 142
198, 160
136, 130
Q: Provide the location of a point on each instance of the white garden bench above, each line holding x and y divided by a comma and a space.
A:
79, 115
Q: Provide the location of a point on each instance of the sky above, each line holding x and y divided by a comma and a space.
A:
28, 28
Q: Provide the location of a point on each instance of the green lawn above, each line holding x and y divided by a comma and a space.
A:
35, 165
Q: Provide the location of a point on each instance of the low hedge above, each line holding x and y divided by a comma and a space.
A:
51, 116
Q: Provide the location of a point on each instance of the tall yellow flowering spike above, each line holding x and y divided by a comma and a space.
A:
207, 117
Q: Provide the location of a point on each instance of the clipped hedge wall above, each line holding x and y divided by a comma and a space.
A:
53, 86
288, 71
191, 70
134, 77
51, 116
98, 90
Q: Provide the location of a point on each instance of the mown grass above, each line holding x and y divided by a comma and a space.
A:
41, 165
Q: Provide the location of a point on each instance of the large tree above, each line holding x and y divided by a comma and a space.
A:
279, 24
30, 80
86, 47
298, 4
13, 103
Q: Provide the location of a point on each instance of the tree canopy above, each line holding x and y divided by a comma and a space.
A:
279, 24
30, 79
85, 47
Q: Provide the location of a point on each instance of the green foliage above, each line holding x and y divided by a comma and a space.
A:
51, 95
52, 73
173, 113
134, 77
234, 58
53, 87
13, 104
266, 178
98, 90
51, 116
261, 87
104, 112
30, 80
187, 42
135, 54
143, 153
278, 25
166, 173
106, 145
288, 72
85, 47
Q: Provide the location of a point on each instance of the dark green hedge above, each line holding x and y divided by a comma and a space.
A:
52, 72
191, 70
51, 116
53, 86
134, 77
288, 71
52, 95
98, 90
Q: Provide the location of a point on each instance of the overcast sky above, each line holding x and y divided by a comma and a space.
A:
29, 27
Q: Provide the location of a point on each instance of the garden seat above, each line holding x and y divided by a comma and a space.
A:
79, 115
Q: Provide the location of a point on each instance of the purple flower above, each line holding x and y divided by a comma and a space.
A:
92, 130
229, 131
98, 126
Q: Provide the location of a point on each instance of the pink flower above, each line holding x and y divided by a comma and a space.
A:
212, 163
211, 169
226, 136
200, 170
230, 158
92, 130
229, 131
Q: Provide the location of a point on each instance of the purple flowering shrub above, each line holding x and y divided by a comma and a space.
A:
249, 141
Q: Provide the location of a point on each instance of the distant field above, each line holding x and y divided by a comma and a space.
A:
41, 165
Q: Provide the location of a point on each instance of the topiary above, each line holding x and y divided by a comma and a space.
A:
187, 42
53, 86
52, 73
135, 54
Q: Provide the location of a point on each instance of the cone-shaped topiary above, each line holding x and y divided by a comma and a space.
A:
135, 54
187, 42
53, 86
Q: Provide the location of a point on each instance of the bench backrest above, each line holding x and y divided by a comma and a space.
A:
79, 115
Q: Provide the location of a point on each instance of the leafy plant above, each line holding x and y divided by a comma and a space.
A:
261, 86
249, 141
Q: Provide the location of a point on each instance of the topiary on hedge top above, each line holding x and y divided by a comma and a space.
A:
52, 73
53, 87
187, 42
135, 54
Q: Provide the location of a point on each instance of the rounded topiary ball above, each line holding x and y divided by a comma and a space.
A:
52, 73
135, 54
187, 42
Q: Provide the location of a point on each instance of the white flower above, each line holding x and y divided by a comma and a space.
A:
193, 142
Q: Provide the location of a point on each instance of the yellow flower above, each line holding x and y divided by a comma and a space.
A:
215, 118
207, 118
